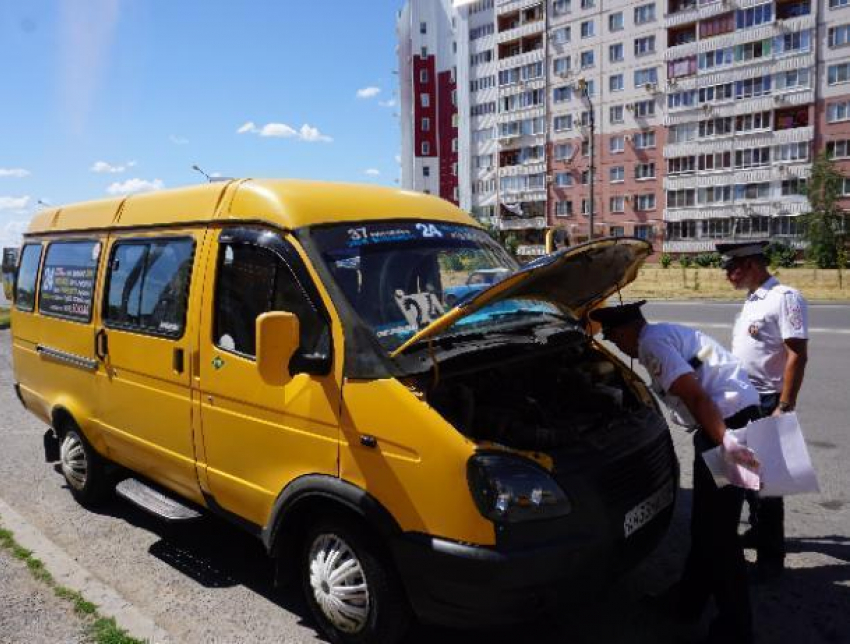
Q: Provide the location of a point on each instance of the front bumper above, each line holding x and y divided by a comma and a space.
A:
466, 586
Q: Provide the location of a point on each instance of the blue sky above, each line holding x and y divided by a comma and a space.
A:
108, 97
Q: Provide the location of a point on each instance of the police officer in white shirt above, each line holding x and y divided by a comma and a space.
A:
770, 338
707, 390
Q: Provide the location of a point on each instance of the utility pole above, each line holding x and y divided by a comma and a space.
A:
582, 85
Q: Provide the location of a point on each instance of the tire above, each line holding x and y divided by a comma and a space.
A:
83, 468
376, 613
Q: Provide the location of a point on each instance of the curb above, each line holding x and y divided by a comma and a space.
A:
68, 572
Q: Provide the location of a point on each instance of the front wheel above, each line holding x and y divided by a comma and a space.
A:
82, 467
353, 594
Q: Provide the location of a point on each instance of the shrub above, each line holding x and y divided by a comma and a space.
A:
666, 260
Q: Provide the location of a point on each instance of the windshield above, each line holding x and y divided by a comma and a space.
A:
401, 276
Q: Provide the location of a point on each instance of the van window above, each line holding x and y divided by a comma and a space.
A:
27, 276
148, 285
253, 280
67, 280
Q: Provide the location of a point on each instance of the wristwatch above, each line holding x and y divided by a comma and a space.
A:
785, 406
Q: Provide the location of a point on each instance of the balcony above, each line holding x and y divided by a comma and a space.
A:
525, 58
507, 6
531, 250
526, 168
779, 206
708, 245
777, 171
691, 12
528, 29
521, 223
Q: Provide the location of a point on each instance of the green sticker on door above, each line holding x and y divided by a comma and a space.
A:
217, 363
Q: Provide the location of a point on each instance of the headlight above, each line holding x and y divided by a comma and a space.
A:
510, 489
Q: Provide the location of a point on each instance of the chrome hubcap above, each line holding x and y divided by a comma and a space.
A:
75, 467
338, 583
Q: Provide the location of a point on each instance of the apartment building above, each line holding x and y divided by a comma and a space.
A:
693, 121
427, 53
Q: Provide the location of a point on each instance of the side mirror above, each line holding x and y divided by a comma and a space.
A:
278, 338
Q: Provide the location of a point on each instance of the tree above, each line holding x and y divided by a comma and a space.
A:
825, 225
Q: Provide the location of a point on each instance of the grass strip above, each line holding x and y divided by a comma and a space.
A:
5, 317
100, 629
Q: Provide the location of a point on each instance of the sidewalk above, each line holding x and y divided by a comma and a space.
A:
29, 611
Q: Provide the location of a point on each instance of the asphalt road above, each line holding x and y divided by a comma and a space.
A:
208, 582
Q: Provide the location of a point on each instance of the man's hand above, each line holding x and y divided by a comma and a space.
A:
742, 464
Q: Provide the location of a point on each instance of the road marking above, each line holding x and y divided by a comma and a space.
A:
718, 325
68, 572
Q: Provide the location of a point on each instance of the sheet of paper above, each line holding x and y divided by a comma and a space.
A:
778, 442
786, 467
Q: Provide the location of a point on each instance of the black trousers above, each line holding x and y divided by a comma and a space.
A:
715, 565
767, 516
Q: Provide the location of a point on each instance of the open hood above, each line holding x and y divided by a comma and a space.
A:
575, 279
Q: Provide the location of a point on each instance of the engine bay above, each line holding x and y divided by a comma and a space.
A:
572, 396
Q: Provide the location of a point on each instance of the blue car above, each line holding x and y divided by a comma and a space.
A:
475, 283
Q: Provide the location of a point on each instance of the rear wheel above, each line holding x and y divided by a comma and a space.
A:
82, 467
353, 593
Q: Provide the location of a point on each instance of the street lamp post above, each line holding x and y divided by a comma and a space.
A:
582, 84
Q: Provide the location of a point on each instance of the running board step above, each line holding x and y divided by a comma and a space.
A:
155, 502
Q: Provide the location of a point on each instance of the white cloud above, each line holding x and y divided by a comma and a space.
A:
18, 173
309, 133
14, 203
102, 167
131, 186
388, 103
284, 131
178, 140
11, 232
368, 92
372, 172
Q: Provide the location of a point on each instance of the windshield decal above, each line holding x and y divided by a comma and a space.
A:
420, 309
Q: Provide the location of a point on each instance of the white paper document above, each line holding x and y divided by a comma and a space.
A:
778, 442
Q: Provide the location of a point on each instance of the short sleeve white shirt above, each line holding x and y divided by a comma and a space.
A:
666, 351
771, 314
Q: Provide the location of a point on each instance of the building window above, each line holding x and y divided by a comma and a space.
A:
423, 75
588, 4
616, 113
561, 36
644, 46
564, 122
648, 76
585, 148
836, 112
587, 29
426, 171
838, 149
644, 109
617, 174
425, 100
426, 148
615, 52
616, 231
616, 144
644, 13
616, 83
644, 171
563, 208
835, 4
754, 16
615, 21
645, 202
838, 73
643, 140
682, 67
426, 124
560, 7
563, 151
423, 28
424, 52
561, 66
585, 207
562, 94
617, 204
585, 177
643, 231
587, 59
563, 179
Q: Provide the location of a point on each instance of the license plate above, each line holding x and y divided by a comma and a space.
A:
648, 509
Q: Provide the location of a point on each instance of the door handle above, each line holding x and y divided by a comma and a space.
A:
177, 360
101, 344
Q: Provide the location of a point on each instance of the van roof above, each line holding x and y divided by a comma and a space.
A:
285, 203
